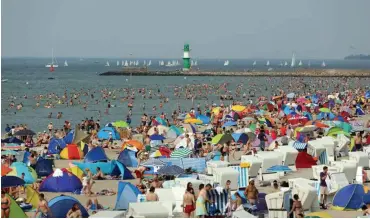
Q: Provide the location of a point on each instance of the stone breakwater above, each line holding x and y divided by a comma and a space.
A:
298, 73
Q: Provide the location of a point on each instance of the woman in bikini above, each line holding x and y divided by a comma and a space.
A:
5, 205
297, 207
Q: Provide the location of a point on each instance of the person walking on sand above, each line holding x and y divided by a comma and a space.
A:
323, 187
188, 202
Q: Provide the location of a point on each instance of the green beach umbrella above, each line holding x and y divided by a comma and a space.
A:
120, 124
253, 127
181, 153
217, 138
325, 110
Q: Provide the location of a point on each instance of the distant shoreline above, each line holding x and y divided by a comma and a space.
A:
299, 73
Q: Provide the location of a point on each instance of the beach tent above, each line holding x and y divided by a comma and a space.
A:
11, 181
113, 168
79, 136
60, 205
5, 170
54, 144
133, 144
44, 167
349, 197
15, 210
69, 137
75, 171
128, 158
71, 152
32, 197
61, 181
126, 193
105, 131
12, 140
96, 154
18, 168
304, 160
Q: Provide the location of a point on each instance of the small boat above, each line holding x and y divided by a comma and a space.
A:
4, 80
126, 64
144, 63
254, 63
309, 64
117, 63
51, 78
300, 63
150, 63
65, 63
285, 63
270, 69
281, 64
169, 64
54, 63
293, 61
226, 63
323, 64
195, 63
107, 64
268, 63
137, 63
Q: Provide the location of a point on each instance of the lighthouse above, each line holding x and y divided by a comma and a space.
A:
186, 58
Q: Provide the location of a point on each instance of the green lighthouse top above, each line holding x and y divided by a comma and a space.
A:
186, 47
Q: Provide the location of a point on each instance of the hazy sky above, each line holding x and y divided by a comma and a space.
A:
159, 28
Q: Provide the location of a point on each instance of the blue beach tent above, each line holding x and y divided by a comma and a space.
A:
11, 181
13, 140
126, 193
44, 167
96, 154
69, 137
105, 131
113, 168
65, 183
128, 158
60, 205
349, 197
53, 145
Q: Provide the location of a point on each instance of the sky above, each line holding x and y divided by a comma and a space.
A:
230, 29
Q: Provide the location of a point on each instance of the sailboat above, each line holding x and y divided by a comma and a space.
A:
65, 63
323, 64
309, 64
293, 61
144, 63
285, 63
268, 63
195, 63
192, 63
226, 63
254, 63
137, 63
107, 64
123, 63
150, 63
126, 64
169, 64
54, 62
281, 64
300, 63
117, 63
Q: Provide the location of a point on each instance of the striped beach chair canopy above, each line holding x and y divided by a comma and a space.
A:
243, 176
181, 153
299, 145
219, 199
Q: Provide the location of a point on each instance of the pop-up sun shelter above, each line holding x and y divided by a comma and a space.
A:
105, 131
349, 197
61, 181
15, 210
95, 155
126, 193
113, 168
71, 152
44, 167
60, 206
30, 175
128, 158
56, 145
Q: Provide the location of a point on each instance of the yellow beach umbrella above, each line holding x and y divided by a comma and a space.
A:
193, 121
216, 110
238, 108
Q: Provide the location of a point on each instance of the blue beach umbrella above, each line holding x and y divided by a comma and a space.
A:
240, 137
204, 119
11, 181
229, 123
172, 170
157, 137
279, 168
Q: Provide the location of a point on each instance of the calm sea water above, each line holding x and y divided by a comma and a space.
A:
83, 75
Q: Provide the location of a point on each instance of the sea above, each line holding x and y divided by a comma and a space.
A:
29, 76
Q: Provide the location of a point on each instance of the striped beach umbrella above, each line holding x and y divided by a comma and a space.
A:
181, 153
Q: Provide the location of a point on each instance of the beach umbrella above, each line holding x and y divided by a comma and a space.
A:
13, 140
9, 152
279, 168
320, 214
290, 95
240, 137
24, 132
222, 138
367, 94
172, 170
155, 154
5, 170
133, 143
160, 128
178, 131
243, 130
11, 181
204, 119
216, 110
157, 137
181, 153
238, 108
161, 121
193, 121
229, 123
153, 162
324, 110
120, 124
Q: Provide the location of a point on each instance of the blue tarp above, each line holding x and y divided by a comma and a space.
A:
96, 154
60, 206
126, 193
105, 131
128, 158
54, 143
66, 183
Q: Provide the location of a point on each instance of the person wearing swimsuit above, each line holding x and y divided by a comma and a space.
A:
43, 208
188, 202
5, 205
297, 207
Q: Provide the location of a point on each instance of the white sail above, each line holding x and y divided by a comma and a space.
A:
117, 63
268, 63
137, 63
270, 69
226, 63
195, 63
254, 63
150, 63
323, 64
281, 64
126, 63
65, 63
107, 64
293, 61
309, 64
300, 63
144, 63
285, 63
191, 62
54, 62
169, 64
